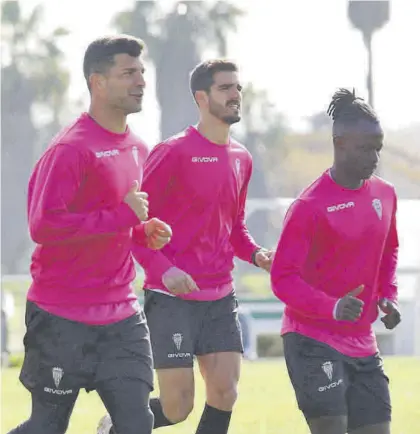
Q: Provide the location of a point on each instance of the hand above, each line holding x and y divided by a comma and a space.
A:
158, 233
137, 201
264, 259
179, 282
349, 308
392, 314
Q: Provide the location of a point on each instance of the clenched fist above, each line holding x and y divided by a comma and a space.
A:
264, 259
392, 313
158, 233
178, 282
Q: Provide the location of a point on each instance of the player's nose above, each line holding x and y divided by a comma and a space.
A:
140, 81
375, 158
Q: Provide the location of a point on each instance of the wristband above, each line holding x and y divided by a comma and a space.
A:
254, 254
335, 309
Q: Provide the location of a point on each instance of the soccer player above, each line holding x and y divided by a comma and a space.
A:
197, 182
84, 326
335, 265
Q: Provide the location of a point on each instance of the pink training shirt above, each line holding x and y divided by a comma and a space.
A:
199, 188
82, 267
334, 240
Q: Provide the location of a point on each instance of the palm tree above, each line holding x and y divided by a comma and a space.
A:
34, 86
175, 42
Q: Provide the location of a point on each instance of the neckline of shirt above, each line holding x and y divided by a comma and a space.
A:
87, 118
341, 187
194, 130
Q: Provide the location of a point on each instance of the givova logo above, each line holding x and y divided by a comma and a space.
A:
57, 375
204, 159
177, 339
340, 206
110, 153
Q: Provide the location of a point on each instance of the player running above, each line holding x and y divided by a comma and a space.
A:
197, 182
335, 265
84, 326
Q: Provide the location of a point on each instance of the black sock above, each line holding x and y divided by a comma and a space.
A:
160, 418
214, 421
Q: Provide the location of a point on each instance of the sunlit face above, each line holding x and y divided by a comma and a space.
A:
360, 151
224, 98
122, 86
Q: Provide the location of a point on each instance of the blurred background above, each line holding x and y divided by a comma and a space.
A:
293, 55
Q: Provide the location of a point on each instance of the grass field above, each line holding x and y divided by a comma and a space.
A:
266, 403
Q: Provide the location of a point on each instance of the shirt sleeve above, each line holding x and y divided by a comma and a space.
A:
157, 183
241, 240
52, 189
293, 248
388, 268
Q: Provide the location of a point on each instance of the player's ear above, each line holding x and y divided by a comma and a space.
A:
338, 142
201, 98
96, 81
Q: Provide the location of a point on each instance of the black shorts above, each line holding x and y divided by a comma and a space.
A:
180, 329
328, 383
63, 356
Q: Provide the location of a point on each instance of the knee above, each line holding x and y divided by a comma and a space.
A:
178, 406
140, 422
222, 395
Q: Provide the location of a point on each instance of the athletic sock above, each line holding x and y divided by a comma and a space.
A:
160, 418
214, 421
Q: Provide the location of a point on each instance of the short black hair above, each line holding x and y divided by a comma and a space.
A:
346, 110
202, 75
99, 55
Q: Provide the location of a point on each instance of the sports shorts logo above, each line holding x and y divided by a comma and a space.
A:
327, 367
57, 374
177, 338
340, 206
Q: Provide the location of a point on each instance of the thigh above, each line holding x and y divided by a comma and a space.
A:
47, 417
56, 363
368, 397
127, 402
328, 425
220, 371
169, 321
124, 351
219, 327
176, 385
318, 377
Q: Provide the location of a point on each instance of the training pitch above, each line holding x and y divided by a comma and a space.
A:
266, 403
